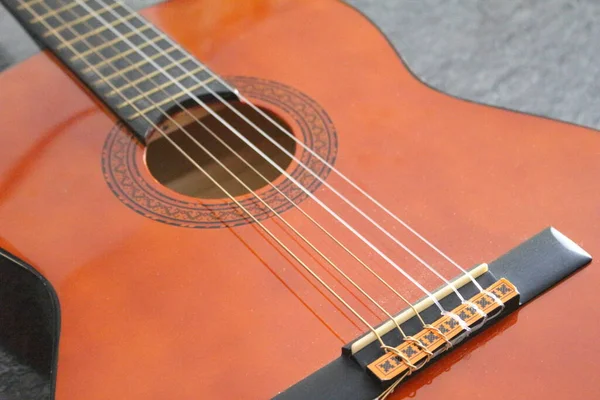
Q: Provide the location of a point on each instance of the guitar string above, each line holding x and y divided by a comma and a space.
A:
124, 39
328, 260
215, 182
118, 33
362, 213
337, 172
258, 173
321, 159
274, 164
283, 220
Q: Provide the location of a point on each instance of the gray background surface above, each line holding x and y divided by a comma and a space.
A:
536, 56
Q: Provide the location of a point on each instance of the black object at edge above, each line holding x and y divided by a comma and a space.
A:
38, 347
533, 267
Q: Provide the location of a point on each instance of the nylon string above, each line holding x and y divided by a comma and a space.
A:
124, 39
117, 33
268, 181
216, 183
322, 160
268, 159
328, 260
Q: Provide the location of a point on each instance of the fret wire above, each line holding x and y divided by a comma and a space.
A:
28, 4
127, 69
52, 13
172, 98
162, 86
150, 75
85, 18
87, 34
125, 54
120, 72
108, 44
51, 30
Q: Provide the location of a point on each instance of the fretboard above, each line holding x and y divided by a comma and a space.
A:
136, 70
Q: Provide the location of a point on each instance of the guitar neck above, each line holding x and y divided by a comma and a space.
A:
134, 68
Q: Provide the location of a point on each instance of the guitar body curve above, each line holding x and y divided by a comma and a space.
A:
154, 310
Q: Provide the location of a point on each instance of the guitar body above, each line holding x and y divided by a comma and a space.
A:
153, 308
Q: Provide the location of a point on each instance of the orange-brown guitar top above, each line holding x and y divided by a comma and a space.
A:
151, 310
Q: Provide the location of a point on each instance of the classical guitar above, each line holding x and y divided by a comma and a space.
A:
255, 199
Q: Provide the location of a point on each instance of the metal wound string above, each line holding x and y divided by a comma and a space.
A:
191, 160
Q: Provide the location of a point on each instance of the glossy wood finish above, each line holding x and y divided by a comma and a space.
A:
152, 311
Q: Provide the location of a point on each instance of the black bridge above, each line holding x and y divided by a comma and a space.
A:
532, 268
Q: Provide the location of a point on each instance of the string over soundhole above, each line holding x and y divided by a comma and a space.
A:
222, 154
128, 165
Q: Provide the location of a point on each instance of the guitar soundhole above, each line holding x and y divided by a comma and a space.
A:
199, 128
147, 178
